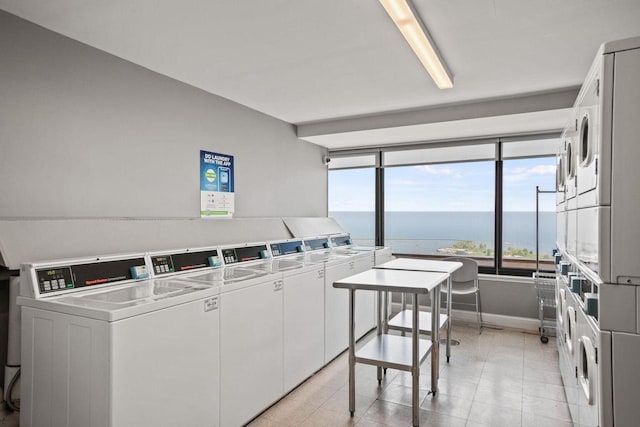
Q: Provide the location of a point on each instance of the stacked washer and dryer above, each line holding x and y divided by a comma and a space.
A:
598, 238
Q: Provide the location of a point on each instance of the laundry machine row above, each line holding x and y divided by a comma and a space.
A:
205, 336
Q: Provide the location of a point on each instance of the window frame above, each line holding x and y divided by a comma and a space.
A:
497, 268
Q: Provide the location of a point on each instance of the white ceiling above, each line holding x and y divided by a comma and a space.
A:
314, 60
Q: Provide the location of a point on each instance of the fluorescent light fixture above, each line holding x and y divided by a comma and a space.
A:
406, 19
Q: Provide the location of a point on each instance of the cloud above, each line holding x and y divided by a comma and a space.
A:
406, 182
438, 170
521, 174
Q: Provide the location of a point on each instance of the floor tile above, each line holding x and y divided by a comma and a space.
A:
324, 417
546, 391
546, 407
402, 395
291, 412
532, 420
389, 413
447, 405
339, 402
434, 419
495, 415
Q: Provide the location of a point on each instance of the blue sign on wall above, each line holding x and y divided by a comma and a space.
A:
216, 185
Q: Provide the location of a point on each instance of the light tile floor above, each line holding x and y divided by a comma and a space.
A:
499, 378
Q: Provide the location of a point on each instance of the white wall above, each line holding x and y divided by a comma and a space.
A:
86, 134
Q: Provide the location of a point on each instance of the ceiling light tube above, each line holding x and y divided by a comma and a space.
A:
408, 22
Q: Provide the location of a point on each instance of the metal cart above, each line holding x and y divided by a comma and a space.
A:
545, 283
546, 290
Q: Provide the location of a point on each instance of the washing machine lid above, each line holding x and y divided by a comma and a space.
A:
221, 276
121, 302
327, 256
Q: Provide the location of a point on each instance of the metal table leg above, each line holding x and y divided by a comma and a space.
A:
449, 303
352, 352
415, 361
385, 312
403, 307
435, 336
380, 327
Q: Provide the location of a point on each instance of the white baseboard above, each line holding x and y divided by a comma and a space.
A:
489, 319
500, 320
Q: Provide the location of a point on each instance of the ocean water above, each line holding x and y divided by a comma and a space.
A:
426, 232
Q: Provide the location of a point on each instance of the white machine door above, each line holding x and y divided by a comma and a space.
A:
587, 368
570, 168
588, 143
570, 326
561, 307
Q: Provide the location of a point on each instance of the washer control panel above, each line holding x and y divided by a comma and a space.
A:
344, 240
74, 276
287, 248
184, 261
316, 244
244, 253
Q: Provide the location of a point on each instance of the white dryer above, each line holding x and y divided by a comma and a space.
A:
608, 233
594, 157
569, 141
571, 216
561, 202
101, 347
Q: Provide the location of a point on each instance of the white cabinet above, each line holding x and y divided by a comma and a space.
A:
303, 326
336, 314
251, 351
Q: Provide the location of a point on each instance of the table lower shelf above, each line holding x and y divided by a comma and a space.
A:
403, 321
392, 351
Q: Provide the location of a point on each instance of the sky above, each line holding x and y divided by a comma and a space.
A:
448, 187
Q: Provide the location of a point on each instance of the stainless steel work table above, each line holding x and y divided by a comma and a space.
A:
391, 351
402, 320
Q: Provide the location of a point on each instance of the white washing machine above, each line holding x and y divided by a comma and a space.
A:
251, 331
303, 311
365, 301
336, 314
381, 254
103, 347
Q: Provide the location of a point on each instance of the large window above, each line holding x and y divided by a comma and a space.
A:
352, 202
520, 178
443, 210
440, 200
